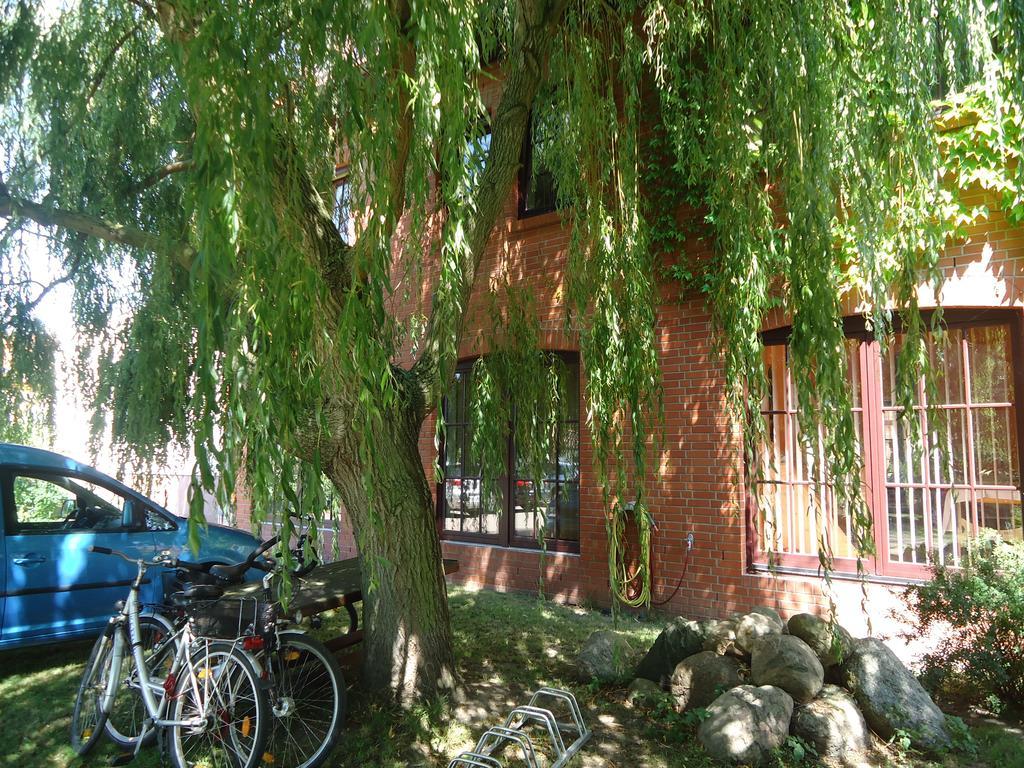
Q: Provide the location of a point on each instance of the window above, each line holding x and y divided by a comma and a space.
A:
463, 512
555, 504
521, 512
158, 522
478, 145
537, 191
924, 504
57, 504
343, 206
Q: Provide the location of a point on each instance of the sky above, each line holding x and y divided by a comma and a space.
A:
73, 414
71, 435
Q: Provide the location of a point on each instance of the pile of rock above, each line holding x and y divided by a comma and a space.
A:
761, 679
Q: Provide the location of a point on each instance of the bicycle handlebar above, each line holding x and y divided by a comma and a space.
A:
128, 558
229, 573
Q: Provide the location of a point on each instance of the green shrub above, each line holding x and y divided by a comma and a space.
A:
981, 657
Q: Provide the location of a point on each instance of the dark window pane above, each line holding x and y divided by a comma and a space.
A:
61, 504
995, 446
525, 520
988, 354
907, 541
453, 451
456, 413
343, 210
947, 360
157, 522
569, 511
999, 512
539, 192
902, 462
947, 446
889, 375
477, 148
951, 523
569, 452
569, 374
453, 505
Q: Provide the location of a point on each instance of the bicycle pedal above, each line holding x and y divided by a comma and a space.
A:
122, 759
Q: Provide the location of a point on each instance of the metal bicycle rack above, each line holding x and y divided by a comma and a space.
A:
512, 733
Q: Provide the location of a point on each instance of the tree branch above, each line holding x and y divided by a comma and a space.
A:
65, 278
161, 173
394, 204
101, 73
324, 240
94, 226
146, 8
341, 265
537, 25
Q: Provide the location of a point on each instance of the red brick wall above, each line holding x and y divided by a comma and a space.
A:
699, 488
699, 485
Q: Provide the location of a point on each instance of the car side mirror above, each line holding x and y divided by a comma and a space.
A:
128, 515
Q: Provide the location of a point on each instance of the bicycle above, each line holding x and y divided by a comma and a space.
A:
305, 685
210, 702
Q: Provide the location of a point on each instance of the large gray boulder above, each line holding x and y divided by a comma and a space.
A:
770, 613
754, 626
829, 641
747, 724
720, 636
681, 638
833, 725
787, 663
699, 679
891, 698
605, 656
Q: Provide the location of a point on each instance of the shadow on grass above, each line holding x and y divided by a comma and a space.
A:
506, 647
38, 687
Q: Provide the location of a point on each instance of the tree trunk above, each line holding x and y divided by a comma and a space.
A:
408, 648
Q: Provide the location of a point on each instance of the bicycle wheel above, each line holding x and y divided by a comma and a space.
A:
128, 711
307, 700
88, 717
227, 709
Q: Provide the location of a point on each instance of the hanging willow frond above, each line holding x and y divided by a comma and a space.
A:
235, 319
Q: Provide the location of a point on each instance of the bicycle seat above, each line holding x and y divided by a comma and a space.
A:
231, 574
195, 593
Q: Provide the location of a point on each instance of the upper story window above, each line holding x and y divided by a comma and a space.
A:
343, 219
924, 504
537, 190
478, 145
524, 511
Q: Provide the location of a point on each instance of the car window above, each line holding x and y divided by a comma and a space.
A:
157, 522
58, 504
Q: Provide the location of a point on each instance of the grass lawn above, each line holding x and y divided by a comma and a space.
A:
507, 646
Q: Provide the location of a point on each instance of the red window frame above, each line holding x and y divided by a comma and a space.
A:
878, 487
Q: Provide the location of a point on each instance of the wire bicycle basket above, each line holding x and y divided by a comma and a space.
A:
232, 618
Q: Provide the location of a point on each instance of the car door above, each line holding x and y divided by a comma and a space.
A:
56, 588
3, 554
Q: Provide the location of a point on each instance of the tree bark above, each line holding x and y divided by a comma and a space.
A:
408, 643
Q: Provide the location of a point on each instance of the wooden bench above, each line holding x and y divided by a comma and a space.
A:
329, 586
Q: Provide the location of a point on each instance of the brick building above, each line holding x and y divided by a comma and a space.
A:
922, 504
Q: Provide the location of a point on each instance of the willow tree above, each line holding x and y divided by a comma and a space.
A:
177, 157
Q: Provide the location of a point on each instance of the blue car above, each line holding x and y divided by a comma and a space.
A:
53, 509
